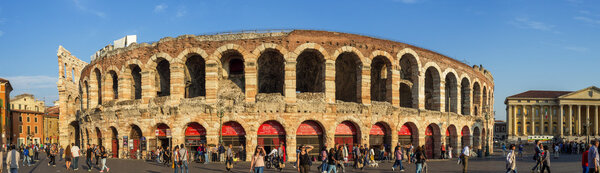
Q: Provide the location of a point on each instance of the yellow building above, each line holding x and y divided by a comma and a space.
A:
51, 125
553, 115
27, 102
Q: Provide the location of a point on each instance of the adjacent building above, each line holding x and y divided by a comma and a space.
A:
5, 89
51, 125
500, 134
27, 117
553, 115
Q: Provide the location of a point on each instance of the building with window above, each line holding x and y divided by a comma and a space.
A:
560, 115
51, 125
500, 134
5, 89
27, 127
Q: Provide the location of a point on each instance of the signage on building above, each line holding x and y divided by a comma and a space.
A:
168, 133
125, 141
539, 138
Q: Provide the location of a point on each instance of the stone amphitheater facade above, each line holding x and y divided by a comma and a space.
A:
297, 87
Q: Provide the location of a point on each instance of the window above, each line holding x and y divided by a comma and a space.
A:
28, 130
25, 107
19, 106
519, 101
35, 120
20, 119
28, 119
35, 129
20, 129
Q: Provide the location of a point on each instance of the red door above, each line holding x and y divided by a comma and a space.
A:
429, 147
115, 148
136, 144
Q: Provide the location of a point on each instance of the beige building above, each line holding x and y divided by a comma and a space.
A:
562, 115
51, 125
27, 102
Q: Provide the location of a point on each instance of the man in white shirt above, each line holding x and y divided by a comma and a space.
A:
511, 163
183, 156
12, 160
76, 153
466, 152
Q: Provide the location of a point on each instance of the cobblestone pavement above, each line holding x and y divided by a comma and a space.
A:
566, 163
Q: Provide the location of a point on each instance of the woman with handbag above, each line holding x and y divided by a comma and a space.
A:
303, 161
257, 165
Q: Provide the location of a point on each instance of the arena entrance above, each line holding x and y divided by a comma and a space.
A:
346, 133
379, 137
408, 134
432, 141
195, 134
162, 137
310, 133
451, 138
466, 136
115, 142
271, 135
233, 133
135, 141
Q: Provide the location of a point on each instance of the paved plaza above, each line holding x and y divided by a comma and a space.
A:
566, 163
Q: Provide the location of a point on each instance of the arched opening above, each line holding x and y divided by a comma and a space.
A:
381, 79
432, 89
99, 87
136, 141
65, 70
346, 133
451, 141
348, 69
233, 70
310, 71
233, 133
195, 76
98, 136
114, 84
114, 142
163, 78
310, 133
432, 141
271, 135
409, 74
380, 138
271, 72
476, 139
408, 134
195, 134
485, 100
465, 139
136, 77
162, 135
87, 94
73, 74
74, 133
465, 97
451, 93
476, 98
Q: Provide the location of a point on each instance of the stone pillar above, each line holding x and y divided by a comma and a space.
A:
212, 81
458, 98
421, 92
532, 120
551, 123
509, 119
588, 130
125, 86
570, 121
442, 95
523, 123
595, 120
541, 115
290, 84
148, 86
251, 75
560, 121
177, 80
330, 81
291, 147
365, 85
395, 86
578, 124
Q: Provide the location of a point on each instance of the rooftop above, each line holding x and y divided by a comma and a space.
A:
540, 94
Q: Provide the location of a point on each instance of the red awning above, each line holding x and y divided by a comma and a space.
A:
232, 129
377, 129
195, 129
447, 132
162, 129
309, 128
271, 128
404, 130
345, 128
465, 131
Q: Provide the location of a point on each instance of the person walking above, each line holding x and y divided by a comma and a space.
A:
229, 159
584, 159
340, 158
53, 153
167, 156
183, 158
450, 151
76, 152
537, 156
96, 149
68, 157
345, 155
88, 157
466, 152
103, 156
323, 158
61, 151
332, 161
557, 150
593, 158
175, 158
257, 165
398, 161
511, 163
545, 159
303, 161
503, 150
12, 160
26, 156
521, 151
420, 159
443, 148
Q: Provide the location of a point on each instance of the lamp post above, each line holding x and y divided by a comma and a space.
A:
587, 130
220, 114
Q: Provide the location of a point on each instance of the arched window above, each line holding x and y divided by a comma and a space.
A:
381, 79
163, 79
271, 72
136, 77
451, 93
347, 77
195, 77
310, 71
432, 89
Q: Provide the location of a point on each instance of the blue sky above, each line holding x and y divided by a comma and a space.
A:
545, 45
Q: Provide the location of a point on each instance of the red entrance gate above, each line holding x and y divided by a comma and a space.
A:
310, 133
345, 133
429, 142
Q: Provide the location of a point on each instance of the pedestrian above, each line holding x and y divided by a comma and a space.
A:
76, 152
521, 151
229, 159
464, 157
443, 148
398, 156
281, 156
420, 159
61, 151
303, 161
175, 158
557, 151
450, 151
103, 156
323, 158
183, 158
584, 159
96, 149
511, 163
88, 157
37, 151
345, 155
53, 153
545, 159
340, 158
12, 160
593, 158
257, 165
26, 156
537, 157
1, 158
167, 156
503, 150
68, 157
331, 161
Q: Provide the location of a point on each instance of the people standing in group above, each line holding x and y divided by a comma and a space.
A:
537, 157
303, 161
511, 163
398, 159
12, 160
229, 159
68, 157
593, 158
183, 158
464, 156
545, 159
257, 165
420, 159
76, 152
103, 156
88, 157
175, 157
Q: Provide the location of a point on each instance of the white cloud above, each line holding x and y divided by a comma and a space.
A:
82, 7
32, 82
587, 20
160, 8
181, 12
522, 22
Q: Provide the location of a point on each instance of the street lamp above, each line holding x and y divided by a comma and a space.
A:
220, 114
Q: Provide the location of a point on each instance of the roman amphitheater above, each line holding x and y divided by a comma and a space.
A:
265, 88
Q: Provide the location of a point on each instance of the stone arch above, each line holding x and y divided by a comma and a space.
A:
271, 70
86, 93
162, 139
413, 55
259, 50
310, 69
233, 63
99, 137
485, 102
112, 83
384, 54
476, 97
432, 86
74, 132
311, 132
189, 52
476, 138
408, 133
410, 68
350, 49
114, 148
432, 141
135, 134
452, 137
380, 135
163, 77
97, 77
311, 46
381, 78
465, 98
465, 136
195, 73
270, 134
451, 96
347, 132
232, 134
348, 77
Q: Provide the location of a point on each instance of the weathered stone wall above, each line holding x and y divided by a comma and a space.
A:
245, 105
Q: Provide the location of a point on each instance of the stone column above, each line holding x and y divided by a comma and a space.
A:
177, 80
595, 120
532, 120
212, 81
509, 118
588, 130
365, 85
125, 85
560, 121
148, 87
578, 120
395, 86
251, 80
541, 115
421, 89
290, 83
570, 121
551, 123
458, 98
524, 127
329, 81
442, 94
